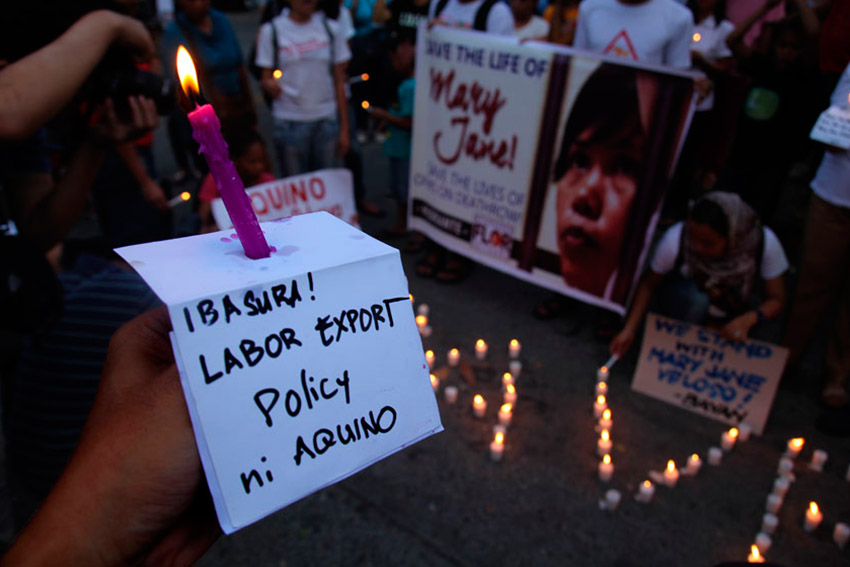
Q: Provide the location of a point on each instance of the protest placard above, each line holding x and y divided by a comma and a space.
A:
833, 127
329, 190
697, 369
299, 369
495, 135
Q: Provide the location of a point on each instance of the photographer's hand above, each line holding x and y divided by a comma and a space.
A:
108, 128
134, 490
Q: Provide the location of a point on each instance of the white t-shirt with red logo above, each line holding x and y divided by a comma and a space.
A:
304, 57
655, 31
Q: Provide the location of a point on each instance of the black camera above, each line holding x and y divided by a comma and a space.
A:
118, 78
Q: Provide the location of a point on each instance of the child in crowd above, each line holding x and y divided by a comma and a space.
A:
249, 156
527, 24
399, 120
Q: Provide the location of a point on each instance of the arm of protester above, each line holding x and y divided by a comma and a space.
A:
405, 122
46, 211
151, 190
340, 74
735, 40
133, 492
34, 89
739, 328
380, 12
808, 17
621, 343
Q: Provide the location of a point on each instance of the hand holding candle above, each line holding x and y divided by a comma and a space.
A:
206, 129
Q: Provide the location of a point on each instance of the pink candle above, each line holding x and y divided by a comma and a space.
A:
206, 129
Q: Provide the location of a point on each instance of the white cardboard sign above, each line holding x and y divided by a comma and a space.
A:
695, 368
299, 369
330, 190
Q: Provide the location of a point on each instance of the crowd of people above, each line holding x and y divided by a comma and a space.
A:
77, 178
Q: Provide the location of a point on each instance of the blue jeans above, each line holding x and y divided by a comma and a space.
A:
303, 147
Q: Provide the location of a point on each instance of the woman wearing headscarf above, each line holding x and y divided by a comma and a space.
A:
708, 270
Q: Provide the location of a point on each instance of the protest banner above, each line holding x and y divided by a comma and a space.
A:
299, 369
507, 142
329, 190
695, 368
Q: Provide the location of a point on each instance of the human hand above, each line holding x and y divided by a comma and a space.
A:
622, 342
703, 86
271, 87
134, 490
343, 141
154, 194
127, 32
738, 328
108, 128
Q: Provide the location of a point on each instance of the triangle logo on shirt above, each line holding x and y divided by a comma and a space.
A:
621, 46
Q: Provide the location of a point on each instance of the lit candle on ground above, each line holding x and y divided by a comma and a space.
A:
421, 321
510, 394
693, 465
435, 383
423, 310
599, 406
454, 357
515, 366
795, 446
763, 542
514, 348
841, 534
671, 474
602, 374
715, 456
780, 486
601, 389
755, 556
727, 440
429, 358
480, 349
181, 198
744, 432
645, 492
769, 522
479, 406
603, 446
612, 499
450, 394
507, 378
605, 422
497, 446
606, 469
410, 295
813, 517
818, 460
206, 129
785, 468
505, 414
773, 504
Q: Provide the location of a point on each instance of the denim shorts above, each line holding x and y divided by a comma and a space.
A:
303, 147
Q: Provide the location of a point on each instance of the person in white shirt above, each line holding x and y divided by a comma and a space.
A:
311, 129
713, 264
649, 31
825, 260
493, 17
528, 25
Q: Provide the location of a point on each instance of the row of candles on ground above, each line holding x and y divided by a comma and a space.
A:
813, 515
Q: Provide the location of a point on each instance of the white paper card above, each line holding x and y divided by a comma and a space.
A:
330, 190
833, 127
299, 369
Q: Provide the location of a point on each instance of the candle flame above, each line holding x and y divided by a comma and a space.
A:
514, 343
754, 553
506, 408
478, 399
813, 507
696, 37
797, 443
421, 320
510, 389
480, 343
733, 433
277, 73
605, 435
600, 399
186, 72
365, 76
429, 353
695, 457
606, 459
499, 438
604, 369
185, 195
365, 105
647, 484
434, 381
454, 352
671, 466
507, 377
411, 297
606, 414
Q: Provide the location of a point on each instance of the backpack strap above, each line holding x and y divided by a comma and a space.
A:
481, 15
330, 42
441, 5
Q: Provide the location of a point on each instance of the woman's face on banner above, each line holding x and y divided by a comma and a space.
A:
594, 198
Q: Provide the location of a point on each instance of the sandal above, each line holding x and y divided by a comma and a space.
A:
550, 308
429, 265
